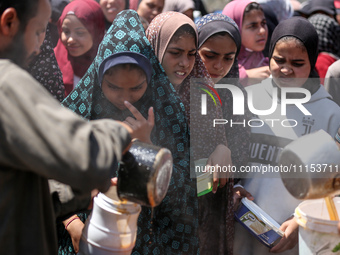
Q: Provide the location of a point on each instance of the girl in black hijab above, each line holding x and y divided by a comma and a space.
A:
293, 35
292, 56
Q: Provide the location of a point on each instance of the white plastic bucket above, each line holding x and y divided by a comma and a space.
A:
112, 226
317, 233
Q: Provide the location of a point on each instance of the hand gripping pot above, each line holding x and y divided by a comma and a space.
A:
258, 223
144, 174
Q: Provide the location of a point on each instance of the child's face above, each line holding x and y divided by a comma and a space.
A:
179, 58
289, 64
124, 85
111, 8
218, 55
254, 30
76, 38
149, 9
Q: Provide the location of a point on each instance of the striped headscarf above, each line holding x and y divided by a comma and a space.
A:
178, 210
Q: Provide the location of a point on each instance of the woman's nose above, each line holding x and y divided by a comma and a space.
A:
218, 65
70, 39
263, 29
286, 70
184, 62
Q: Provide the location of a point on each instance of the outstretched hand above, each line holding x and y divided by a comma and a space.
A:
221, 157
141, 127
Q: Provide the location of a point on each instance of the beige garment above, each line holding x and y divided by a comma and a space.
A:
42, 140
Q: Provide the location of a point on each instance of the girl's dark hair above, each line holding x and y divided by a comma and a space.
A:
26, 9
129, 67
252, 6
288, 38
186, 29
223, 33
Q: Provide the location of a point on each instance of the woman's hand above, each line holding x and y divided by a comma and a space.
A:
239, 193
74, 227
258, 74
141, 127
220, 157
93, 194
290, 237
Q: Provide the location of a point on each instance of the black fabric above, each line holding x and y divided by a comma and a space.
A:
57, 8
328, 30
272, 22
217, 26
326, 6
310, 7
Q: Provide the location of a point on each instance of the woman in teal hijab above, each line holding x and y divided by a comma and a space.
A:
172, 227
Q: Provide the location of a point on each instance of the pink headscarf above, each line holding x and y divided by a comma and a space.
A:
91, 16
235, 10
246, 59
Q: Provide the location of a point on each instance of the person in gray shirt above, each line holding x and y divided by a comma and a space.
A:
42, 140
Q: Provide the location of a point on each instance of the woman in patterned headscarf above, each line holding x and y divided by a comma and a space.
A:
172, 227
44, 68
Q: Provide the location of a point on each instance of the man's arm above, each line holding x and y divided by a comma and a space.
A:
39, 135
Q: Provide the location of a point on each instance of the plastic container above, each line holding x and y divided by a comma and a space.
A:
317, 233
258, 223
204, 180
112, 226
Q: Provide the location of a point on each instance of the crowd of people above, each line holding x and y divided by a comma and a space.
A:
81, 79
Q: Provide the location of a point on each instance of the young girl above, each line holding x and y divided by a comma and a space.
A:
148, 9
173, 36
111, 8
249, 17
81, 28
172, 225
293, 52
219, 42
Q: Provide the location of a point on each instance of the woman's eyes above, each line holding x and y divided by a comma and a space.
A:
279, 61
178, 53
229, 58
209, 56
136, 88
175, 53
213, 57
252, 26
40, 32
113, 87
297, 64
78, 33
66, 32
